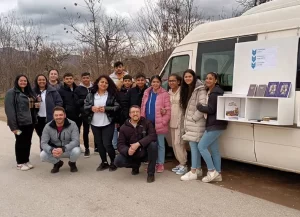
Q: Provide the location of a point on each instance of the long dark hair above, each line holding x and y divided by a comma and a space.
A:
186, 90
111, 89
178, 78
36, 86
27, 90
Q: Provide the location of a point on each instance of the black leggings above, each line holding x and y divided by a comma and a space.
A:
103, 138
23, 144
39, 127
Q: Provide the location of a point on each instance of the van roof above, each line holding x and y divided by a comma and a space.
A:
272, 16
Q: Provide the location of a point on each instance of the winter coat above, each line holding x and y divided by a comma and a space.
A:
135, 96
162, 102
67, 139
123, 113
144, 133
69, 101
56, 86
111, 109
17, 109
194, 121
211, 110
81, 91
176, 110
52, 99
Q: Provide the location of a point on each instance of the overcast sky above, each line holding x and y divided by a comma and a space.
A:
50, 12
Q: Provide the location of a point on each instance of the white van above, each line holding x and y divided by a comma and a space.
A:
211, 47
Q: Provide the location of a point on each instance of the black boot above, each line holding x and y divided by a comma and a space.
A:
56, 166
150, 178
103, 166
135, 171
73, 167
112, 167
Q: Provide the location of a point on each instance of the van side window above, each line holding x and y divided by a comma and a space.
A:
298, 69
177, 64
218, 56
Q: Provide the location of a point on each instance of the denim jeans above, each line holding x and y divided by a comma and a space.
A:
115, 139
161, 148
210, 140
73, 155
195, 154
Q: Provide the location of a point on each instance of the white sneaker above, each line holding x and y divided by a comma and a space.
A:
182, 170
23, 167
29, 165
189, 176
211, 176
175, 169
218, 178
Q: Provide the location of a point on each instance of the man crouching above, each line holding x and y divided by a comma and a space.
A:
137, 143
60, 139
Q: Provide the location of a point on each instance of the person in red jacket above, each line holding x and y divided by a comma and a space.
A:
137, 143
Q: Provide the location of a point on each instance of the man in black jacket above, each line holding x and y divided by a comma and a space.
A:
67, 93
137, 143
134, 95
82, 91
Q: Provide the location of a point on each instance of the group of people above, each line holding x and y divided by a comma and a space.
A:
126, 116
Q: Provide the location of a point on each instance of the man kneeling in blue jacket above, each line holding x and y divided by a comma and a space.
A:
60, 139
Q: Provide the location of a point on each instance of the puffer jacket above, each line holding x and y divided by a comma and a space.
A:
67, 139
17, 109
162, 102
194, 122
111, 109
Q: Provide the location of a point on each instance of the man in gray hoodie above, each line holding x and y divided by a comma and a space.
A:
60, 139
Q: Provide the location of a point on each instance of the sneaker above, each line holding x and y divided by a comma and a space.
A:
135, 171
29, 165
112, 167
189, 176
210, 176
175, 169
103, 166
160, 168
73, 167
218, 178
87, 153
150, 178
22, 167
56, 166
182, 170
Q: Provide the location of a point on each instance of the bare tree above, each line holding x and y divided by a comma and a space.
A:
106, 35
247, 4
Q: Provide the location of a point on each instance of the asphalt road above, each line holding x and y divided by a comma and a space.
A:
89, 193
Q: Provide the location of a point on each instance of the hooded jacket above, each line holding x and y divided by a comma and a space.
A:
194, 121
52, 99
67, 139
17, 109
69, 101
162, 102
144, 133
82, 91
211, 109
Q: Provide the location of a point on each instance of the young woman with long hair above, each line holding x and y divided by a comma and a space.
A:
47, 99
214, 129
192, 92
21, 117
102, 106
156, 107
174, 137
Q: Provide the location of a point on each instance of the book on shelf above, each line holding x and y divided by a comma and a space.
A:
284, 89
232, 108
252, 90
272, 89
261, 90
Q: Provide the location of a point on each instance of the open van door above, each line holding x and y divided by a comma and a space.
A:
177, 63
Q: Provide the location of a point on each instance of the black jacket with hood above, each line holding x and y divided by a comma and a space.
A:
82, 91
144, 133
210, 109
69, 99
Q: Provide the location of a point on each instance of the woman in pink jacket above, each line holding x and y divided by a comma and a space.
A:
156, 107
